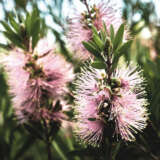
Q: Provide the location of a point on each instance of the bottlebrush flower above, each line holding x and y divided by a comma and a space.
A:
80, 26
99, 102
35, 79
129, 114
128, 107
130, 77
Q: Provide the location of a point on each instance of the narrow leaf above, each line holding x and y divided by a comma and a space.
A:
98, 42
6, 26
98, 65
112, 33
119, 37
58, 149
125, 47
105, 28
92, 119
103, 36
4, 46
15, 39
14, 24
122, 50
35, 33
94, 30
28, 24
92, 49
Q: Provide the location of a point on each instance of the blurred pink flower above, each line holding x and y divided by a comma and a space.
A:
80, 26
34, 79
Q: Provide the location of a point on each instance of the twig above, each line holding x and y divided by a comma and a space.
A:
48, 143
49, 150
109, 66
87, 6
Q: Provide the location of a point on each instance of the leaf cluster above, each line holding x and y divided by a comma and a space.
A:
105, 43
21, 32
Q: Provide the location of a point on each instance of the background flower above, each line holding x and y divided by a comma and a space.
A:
34, 79
80, 26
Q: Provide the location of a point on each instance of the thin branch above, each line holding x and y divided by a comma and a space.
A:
87, 6
48, 143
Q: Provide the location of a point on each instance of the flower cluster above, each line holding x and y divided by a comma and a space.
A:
36, 80
99, 103
109, 95
112, 96
80, 26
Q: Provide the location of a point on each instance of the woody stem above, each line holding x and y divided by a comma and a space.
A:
47, 141
87, 6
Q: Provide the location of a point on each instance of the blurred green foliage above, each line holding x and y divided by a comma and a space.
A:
17, 144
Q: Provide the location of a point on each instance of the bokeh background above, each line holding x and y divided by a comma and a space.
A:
143, 20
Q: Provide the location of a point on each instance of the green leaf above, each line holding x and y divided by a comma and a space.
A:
103, 36
31, 20
59, 151
122, 50
93, 43
112, 33
34, 20
92, 119
4, 46
98, 42
98, 65
35, 26
91, 48
15, 39
115, 150
35, 33
28, 142
35, 13
105, 27
28, 23
6, 26
94, 30
119, 37
12, 36
125, 47
14, 24
34, 41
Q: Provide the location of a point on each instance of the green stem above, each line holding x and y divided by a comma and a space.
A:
71, 147
60, 152
109, 64
115, 151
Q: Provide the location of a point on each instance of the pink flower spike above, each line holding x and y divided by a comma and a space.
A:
89, 96
90, 132
80, 26
99, 102
130, 114
34, 79
130, 77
